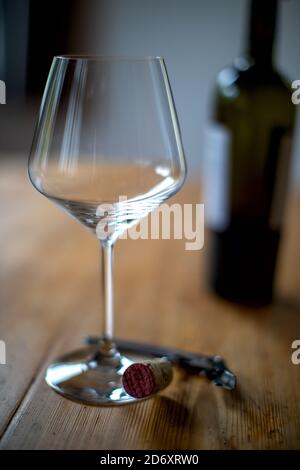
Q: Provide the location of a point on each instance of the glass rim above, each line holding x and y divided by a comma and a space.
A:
100, 58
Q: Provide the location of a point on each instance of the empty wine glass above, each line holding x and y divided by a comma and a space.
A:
107, 129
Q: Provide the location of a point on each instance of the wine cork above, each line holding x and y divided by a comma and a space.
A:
146, 378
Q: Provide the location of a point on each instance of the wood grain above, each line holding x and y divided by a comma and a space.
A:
50, 300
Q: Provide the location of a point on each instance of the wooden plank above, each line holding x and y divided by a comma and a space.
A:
160, 298
37, 241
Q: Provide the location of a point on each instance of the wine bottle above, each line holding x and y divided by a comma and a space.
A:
247, 154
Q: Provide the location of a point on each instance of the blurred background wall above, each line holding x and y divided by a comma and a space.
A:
196, 38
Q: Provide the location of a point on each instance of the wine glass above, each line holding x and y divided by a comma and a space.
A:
107, 128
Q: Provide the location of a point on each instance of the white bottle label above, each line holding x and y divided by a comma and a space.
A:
217, 143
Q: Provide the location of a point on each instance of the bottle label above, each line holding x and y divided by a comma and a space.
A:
281, 181
217, 146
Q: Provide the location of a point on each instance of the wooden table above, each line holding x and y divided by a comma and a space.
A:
50, 300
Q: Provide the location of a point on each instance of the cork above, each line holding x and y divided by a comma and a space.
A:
146, 378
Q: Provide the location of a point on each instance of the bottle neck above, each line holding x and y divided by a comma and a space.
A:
261, 31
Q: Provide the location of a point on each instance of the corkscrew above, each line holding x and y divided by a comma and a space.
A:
213, 367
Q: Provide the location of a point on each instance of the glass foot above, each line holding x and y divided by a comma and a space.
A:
92, 376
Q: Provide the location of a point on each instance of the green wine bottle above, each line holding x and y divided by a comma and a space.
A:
248, 147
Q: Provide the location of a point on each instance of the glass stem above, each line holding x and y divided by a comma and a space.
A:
107, 293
